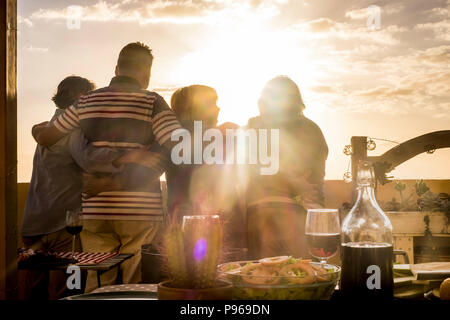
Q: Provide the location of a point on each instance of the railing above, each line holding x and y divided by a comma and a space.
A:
408, 226
397, 155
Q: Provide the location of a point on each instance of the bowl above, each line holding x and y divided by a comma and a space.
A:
276, 285
222, 290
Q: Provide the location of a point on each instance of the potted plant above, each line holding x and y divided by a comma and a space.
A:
192, 252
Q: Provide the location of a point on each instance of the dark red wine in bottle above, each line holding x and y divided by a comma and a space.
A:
323, 245
367, 271
367, 242
74, 230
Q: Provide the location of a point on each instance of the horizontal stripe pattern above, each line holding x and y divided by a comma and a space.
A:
68, 120
120, 94
88, 258
116, 115
111, 118
163, 124
156, 218
118, 98
114, 108
108, 144
124, 204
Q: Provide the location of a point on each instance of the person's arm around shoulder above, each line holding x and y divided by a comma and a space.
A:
164, 123
91, 158
133, 175
37, 129
60, 127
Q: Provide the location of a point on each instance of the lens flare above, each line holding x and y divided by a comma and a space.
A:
200, 249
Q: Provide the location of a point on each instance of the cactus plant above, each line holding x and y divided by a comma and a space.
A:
193, 253
174, 247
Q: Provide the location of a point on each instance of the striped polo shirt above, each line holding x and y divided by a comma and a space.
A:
122, 116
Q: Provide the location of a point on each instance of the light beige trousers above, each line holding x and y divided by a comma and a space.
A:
117, 235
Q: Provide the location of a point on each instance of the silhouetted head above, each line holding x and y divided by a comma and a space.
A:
135, 61
196, 102
70, 89
281, 97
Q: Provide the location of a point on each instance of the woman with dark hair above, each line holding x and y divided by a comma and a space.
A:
277, 204
70, 89
55, 187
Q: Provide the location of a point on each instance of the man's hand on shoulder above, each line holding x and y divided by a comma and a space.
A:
47, 135
37, 129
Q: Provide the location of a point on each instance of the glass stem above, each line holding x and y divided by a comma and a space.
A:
73, 246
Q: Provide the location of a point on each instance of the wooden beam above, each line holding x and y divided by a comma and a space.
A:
8, 149
407, 150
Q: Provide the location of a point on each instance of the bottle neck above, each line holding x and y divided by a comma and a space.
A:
366, 193
365, 177
366, 221
366, 188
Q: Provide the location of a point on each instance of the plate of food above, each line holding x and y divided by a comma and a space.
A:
280, 278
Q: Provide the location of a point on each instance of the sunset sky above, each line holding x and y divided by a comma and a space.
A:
391, 83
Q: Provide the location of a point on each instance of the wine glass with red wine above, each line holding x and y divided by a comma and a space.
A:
74, 225
323, 233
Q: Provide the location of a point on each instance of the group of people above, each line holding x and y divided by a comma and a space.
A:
105, 150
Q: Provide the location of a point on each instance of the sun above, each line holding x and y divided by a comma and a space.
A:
237, 62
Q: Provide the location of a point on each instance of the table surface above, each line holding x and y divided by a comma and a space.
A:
108, 263
144, 287
102, 266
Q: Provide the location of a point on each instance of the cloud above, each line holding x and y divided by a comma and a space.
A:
440, 11
323, 89
168, 11
416, 82
364, 13
326, 28
24, 21
32, 48
321, 25
384, 92
349, 66
359, 13
437, 55
441, 29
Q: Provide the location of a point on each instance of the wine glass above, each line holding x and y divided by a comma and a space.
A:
323, 233
74, 225
202, 240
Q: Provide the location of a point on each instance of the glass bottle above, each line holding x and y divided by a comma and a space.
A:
367, 245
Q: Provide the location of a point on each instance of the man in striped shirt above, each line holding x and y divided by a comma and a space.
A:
125, 116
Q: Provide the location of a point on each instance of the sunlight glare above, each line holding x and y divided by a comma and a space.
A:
238, 62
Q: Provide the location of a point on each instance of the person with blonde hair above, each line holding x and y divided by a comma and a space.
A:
204, 189
200, 188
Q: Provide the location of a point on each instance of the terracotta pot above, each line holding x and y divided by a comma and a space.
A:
221, 291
